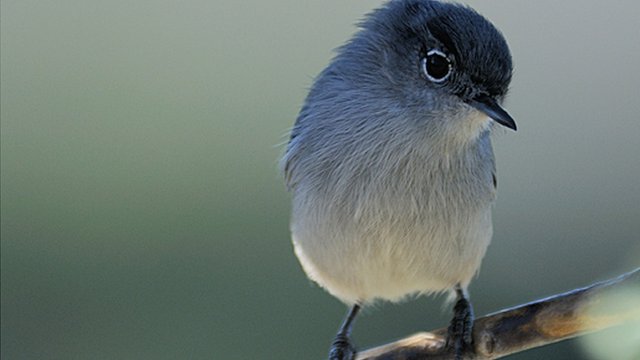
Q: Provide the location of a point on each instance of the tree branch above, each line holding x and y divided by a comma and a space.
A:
527, 326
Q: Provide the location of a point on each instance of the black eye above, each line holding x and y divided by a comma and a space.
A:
436, 66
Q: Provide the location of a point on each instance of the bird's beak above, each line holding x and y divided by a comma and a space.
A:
489, 106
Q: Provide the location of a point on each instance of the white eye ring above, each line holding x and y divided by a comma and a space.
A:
436, 72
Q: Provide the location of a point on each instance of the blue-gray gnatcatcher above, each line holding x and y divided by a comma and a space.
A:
390, 160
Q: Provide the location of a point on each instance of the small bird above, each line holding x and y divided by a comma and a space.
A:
390, 162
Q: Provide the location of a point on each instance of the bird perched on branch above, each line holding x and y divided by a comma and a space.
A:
390, 160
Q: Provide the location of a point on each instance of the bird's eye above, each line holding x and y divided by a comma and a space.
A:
436, 66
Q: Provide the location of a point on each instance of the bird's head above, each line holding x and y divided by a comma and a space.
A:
433, 56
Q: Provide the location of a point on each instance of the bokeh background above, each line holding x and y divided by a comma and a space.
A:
143, 215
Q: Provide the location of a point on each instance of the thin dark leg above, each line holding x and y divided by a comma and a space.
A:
341, 348
460, 340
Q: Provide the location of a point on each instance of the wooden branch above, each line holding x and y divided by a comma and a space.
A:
527, 326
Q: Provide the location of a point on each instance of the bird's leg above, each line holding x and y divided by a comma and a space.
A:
460, 330
341, 348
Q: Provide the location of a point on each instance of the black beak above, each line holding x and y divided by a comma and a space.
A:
489, 106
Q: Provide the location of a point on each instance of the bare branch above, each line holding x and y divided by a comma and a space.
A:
527, 326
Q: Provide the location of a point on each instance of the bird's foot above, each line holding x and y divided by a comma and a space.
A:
341, 348
460, 332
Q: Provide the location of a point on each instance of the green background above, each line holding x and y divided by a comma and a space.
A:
143, 215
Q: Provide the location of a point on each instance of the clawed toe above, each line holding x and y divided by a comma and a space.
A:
460, 332
341, 349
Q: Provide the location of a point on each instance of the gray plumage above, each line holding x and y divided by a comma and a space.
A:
392, 173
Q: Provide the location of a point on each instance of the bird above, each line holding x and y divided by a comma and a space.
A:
390, 163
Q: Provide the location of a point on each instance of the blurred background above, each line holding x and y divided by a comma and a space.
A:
143, 215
